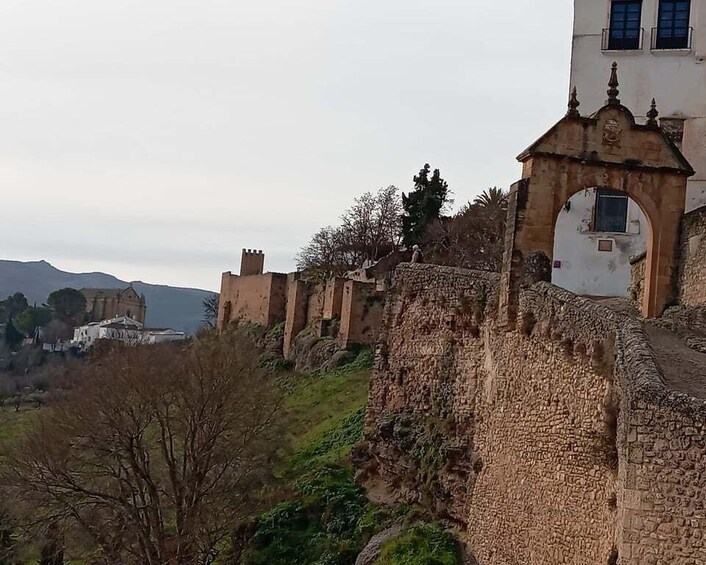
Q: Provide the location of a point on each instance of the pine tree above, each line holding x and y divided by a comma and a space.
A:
423, 205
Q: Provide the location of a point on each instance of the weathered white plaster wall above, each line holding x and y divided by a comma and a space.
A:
579, 266
676, 78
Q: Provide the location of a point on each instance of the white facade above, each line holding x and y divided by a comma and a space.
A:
676, 78
595, 263
150, 337
123, 329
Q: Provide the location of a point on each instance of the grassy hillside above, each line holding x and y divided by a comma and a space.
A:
327, 519
321, 406
13, 424
318, 515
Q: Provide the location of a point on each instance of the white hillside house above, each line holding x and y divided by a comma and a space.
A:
659, 46
122, 329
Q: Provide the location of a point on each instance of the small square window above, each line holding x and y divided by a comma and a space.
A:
611, 213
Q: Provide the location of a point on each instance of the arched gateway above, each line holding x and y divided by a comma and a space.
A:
606, 150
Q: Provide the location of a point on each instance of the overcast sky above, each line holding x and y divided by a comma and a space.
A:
153, 139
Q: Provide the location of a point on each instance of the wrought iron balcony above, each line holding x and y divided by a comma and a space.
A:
622, 40
671, 38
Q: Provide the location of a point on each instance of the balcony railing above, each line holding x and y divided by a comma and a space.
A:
622, 40
667, 38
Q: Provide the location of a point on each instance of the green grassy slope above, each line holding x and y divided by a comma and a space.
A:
324, 413
14, 424
326, 519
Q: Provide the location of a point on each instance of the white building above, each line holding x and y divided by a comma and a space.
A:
659, 46
150, 337
123, 329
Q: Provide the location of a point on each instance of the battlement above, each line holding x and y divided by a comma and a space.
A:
252, 262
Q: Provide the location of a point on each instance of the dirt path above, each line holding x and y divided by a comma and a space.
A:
684, 368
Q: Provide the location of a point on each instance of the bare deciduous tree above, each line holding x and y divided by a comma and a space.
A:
157, 453
210, 310
369, 230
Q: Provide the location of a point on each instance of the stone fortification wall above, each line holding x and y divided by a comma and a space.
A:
553, 443
361, 312
660, 444
260, 299
304, 309
347, 311
692, 272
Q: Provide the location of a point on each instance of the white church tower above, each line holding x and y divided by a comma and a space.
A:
660, 48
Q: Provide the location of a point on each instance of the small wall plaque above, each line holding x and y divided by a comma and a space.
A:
605, 245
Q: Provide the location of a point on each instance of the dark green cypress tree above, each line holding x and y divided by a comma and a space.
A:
423, 204
12, 336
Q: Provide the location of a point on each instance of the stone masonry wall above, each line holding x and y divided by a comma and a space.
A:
260, 299
692, 273
637, 279
553, 443
524, 459
361, 312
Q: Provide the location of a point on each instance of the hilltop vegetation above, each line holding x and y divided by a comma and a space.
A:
300, 507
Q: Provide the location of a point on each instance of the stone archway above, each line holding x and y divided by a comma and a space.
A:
605, 149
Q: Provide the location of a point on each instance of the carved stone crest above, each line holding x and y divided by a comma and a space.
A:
611, 132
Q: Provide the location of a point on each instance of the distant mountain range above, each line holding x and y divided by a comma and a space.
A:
167, 306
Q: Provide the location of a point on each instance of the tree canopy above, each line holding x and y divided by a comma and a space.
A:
69, 305
157, 453
423, 205
210, 310
12, 306
474, 237
31, 318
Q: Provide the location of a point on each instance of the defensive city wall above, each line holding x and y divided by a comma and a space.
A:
346, 309
554, 442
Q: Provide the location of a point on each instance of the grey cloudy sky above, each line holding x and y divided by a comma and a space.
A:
153, 139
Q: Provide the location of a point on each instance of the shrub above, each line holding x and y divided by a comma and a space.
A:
329, 523
423, 544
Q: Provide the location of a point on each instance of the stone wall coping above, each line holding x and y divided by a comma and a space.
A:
488, 276
641, 375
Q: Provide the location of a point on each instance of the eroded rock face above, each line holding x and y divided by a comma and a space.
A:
434, 464
310, 353
371, 552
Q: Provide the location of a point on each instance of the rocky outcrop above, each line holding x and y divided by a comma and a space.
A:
371, 552
310, 353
